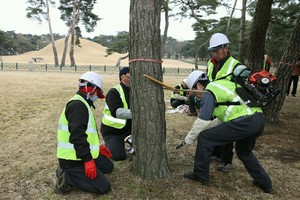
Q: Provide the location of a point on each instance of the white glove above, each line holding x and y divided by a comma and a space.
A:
182, 98
123, 113
199, 126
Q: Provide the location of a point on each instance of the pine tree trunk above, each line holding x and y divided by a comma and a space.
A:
258, 34
147, 98
242, 33
165, 36
63, 58
72, 59
283, 73
51, 35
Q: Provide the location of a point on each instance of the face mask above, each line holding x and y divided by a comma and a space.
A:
94, 98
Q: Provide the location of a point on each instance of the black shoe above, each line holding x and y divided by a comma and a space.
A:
193, 177
192, 114
61, 185
266, 190
224, 167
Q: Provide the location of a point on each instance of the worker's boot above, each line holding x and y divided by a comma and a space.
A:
192, 114
61, 185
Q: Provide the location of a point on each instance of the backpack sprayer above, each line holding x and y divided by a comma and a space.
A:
257, 87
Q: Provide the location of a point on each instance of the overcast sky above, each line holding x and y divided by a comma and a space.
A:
114, 14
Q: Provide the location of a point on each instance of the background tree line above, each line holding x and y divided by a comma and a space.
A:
283, 17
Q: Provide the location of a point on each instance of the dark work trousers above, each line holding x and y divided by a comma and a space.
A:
115, 144
227, 154
75, 177
295, 80
243, 131
175, 103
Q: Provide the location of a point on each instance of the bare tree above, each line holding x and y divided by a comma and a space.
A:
36, 11
165, 8
283, 73
230, 17
147, 99
74, 14
242, 32
121, 58
261, 20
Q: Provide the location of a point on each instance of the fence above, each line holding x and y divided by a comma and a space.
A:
104, 68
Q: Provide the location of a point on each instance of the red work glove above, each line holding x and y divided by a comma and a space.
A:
105, 151
90, 169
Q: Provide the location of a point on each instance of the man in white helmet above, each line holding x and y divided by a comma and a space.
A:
116, 118
221, 65
82, 160
235, 122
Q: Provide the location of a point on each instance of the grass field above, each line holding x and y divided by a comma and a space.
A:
30, 105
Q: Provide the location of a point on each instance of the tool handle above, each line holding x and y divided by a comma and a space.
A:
180, 145
171, 88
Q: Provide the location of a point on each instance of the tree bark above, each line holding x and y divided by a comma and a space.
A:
121, 58
242, 32
147, 98
165, 35
230, 17
63, 58
283, 73
51, 35
75, 8
261, 20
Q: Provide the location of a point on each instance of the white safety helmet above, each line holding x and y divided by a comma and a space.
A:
194, 77
94, 79
217, 40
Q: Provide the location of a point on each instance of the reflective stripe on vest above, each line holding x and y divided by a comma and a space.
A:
180, 93
226, 69
224, 91
65, 149
108, 119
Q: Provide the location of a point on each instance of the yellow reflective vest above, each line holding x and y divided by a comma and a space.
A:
226, 69
224, 91
108, 119
65, 149
181, 93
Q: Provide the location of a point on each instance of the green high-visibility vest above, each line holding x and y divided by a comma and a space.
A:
226, 69
65, 149
224, 91
108, 119
181, 93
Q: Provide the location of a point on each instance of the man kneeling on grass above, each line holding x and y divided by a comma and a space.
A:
82, 160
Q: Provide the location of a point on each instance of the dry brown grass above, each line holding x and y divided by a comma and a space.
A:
31, 102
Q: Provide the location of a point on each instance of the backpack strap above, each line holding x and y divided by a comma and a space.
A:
227, 103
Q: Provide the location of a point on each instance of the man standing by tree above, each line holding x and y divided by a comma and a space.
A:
240, 124
294, 79
221, 66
